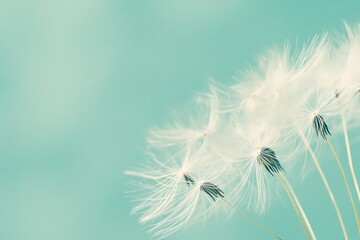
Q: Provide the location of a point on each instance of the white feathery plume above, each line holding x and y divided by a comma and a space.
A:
271, 84
323, 101
257, 163
195, 126
249, 141
237, 139
168, 200
265, 96
315, 109
319, 104
349, 54
181, 194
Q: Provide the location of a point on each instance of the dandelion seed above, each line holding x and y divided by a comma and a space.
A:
188, 179
337, 94
267, 158
211, 190
351, 75
257, 160
171, 196
320, 126
334, 106
254, 161
214, 192
317, 103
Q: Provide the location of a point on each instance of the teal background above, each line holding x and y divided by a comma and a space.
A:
82, 81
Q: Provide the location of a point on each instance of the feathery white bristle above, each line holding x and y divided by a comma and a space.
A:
234, 139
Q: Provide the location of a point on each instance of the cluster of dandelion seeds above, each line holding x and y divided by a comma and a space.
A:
238, 145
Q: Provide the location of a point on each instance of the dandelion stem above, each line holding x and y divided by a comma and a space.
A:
297, 206
250, 219
323, 177
347, 143
346, 181
296, 210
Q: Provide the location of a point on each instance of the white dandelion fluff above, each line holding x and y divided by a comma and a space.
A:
320, 104
349, 54
236, 142
181, 193
195, 126
168, 199
257, 163
252, 151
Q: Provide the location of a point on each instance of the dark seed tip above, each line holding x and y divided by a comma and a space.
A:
268, 159
320, 126
188, 179
212, 190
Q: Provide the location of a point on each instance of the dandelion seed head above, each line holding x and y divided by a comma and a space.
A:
268, 159
188, 179
238, 137
320, 126
211, 190
255, 162
175, 189
316, 110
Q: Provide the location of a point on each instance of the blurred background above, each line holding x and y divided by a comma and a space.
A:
81, 82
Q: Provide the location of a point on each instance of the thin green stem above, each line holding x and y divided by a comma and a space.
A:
345, 180
296, 209
347, 143
251, 220
296, 203
324, 179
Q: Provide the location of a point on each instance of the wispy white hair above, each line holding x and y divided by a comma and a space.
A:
194, 126
235, 138
170, 193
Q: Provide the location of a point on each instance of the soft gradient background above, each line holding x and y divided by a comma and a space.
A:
82, 81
